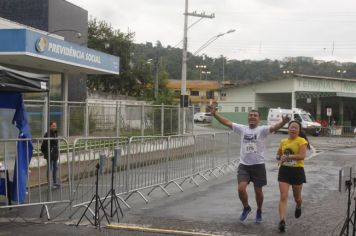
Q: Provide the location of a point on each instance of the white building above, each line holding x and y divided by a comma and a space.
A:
312, 93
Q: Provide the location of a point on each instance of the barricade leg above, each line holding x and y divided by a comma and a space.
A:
176, 184
162, 188
45, 208
139, 193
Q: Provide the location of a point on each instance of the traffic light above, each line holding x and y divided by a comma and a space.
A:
184, 100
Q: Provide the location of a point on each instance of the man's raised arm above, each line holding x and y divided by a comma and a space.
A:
221, 119
277, 126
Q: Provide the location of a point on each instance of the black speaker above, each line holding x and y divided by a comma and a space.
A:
184, 100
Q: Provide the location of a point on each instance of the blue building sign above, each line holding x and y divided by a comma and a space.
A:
42, 46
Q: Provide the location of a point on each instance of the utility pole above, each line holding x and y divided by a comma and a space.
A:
223, 68
184, 96
156, 78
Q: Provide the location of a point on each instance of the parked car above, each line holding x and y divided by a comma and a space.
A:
204, 117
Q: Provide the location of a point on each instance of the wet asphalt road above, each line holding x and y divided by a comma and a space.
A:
214, 207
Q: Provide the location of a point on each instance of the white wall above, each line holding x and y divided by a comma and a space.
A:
249, 95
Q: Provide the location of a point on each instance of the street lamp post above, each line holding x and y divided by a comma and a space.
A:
157, 65
211, 40
184, 96
223, 69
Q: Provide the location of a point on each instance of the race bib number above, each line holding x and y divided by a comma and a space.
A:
290, 163
250, 148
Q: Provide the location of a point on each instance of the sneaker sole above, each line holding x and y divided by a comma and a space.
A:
259, 221
242, 221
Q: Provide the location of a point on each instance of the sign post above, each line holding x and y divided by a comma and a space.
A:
329, 112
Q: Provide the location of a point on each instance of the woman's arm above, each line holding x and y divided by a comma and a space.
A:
296, 157
279, 154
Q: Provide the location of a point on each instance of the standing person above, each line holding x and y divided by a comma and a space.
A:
52, 162
291, 154
252, 157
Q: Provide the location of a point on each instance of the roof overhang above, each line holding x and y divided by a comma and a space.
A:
27, 48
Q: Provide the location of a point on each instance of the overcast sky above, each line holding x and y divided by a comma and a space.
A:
274, 29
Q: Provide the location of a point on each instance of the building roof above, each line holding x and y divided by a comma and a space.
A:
290, 77
324, 77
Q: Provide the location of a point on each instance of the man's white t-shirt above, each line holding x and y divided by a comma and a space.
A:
253, 143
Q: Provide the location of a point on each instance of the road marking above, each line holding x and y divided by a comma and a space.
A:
156, 230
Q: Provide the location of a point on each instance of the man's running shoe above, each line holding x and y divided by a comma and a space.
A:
282, 226
298, 212
245, 213
259, 218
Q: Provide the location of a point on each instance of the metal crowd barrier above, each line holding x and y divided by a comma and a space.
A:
145, 162
87, 153
32, 187
338, 131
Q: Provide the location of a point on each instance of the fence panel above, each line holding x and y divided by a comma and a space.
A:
221, 145
204, 152
35, 118
102, 119
110, 118
181, 157
338, 131
147, 162
87, 154
233, 148
38, 184
76, 120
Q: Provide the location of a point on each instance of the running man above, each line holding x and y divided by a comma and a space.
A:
252, 157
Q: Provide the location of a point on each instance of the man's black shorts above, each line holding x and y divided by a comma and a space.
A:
254, 173
291, 175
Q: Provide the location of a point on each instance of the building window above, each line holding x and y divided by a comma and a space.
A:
194, 93
243, 109
249, 109
210, 94
236, 109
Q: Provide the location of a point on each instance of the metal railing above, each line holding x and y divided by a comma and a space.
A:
25, 178
338, 131
107, 118
145, 163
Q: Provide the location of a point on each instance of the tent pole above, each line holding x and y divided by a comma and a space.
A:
48, 113
49, 176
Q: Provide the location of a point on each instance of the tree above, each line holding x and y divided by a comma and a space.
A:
131, 80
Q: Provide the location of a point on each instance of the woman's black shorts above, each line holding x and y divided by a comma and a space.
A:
291, 175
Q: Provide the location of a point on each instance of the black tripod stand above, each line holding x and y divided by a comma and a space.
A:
98, 204
348, 220
114, 200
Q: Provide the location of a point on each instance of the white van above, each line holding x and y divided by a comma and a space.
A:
305, 118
